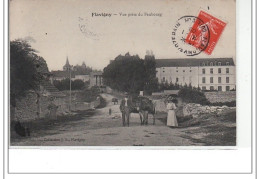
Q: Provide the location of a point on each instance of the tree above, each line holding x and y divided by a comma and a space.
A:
125, 73
151, 82
26, 69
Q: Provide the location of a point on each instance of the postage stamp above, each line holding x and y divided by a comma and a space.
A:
205, 23
198, 38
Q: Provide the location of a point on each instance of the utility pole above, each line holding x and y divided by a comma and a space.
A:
70, 90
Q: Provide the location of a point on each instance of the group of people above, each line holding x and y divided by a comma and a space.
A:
126, 108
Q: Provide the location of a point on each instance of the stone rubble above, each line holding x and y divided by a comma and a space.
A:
194, 110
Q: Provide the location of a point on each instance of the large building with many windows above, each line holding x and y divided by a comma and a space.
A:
208, 74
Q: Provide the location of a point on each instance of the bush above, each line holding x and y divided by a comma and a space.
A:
77, 85
65, 84
89, 95
103, 102
191, 94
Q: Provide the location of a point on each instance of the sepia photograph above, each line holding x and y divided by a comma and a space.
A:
122, 73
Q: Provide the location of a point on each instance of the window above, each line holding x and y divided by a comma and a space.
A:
203, 64
211, 64
163, 79
204, 88
227, 79
219, 88
177, 80
219, 63
203, 71
227, 63
203, 79
211, 88
211, 79
227, 70
219, 79
211, 71
227, 88
219, 70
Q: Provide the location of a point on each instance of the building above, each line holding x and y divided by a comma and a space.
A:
78, 72
75, 75
67, 66
208, 74
96, 78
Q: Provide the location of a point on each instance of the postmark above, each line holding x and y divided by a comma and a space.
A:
86, 29
182, 30
215, 27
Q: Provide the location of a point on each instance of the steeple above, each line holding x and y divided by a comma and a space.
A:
83, 65
67, 61
67, 66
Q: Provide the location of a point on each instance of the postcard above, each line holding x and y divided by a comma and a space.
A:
81, 75
119, 75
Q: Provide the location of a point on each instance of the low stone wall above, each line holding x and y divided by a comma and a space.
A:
190, 109
221, 96
194, 110
160, 106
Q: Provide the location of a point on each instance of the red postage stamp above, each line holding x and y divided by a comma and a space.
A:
205, 23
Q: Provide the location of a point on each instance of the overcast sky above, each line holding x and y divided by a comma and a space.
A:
60, 28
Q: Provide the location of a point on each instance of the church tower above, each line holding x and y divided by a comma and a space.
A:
83, 65
67, 66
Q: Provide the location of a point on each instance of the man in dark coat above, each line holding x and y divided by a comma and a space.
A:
125, 108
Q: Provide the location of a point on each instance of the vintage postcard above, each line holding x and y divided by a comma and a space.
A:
122, 73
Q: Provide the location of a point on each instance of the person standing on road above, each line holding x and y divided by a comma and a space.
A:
171, 117
125, 108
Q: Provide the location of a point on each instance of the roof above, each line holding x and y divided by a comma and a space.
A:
192, 62
171, 92
98, 73
65, 74
52, 89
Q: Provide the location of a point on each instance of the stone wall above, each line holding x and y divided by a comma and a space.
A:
194, 110
26, 108
221, 96
160, 106
190, 109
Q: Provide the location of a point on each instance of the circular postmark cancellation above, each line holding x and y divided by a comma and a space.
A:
190, 35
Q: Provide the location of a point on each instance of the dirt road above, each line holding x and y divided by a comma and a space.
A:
103, 129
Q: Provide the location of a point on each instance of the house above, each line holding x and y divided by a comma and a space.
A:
78, 72
96, 79
207, 73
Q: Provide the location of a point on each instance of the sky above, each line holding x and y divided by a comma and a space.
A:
70, 28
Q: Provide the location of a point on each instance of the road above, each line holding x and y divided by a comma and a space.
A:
102, 129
